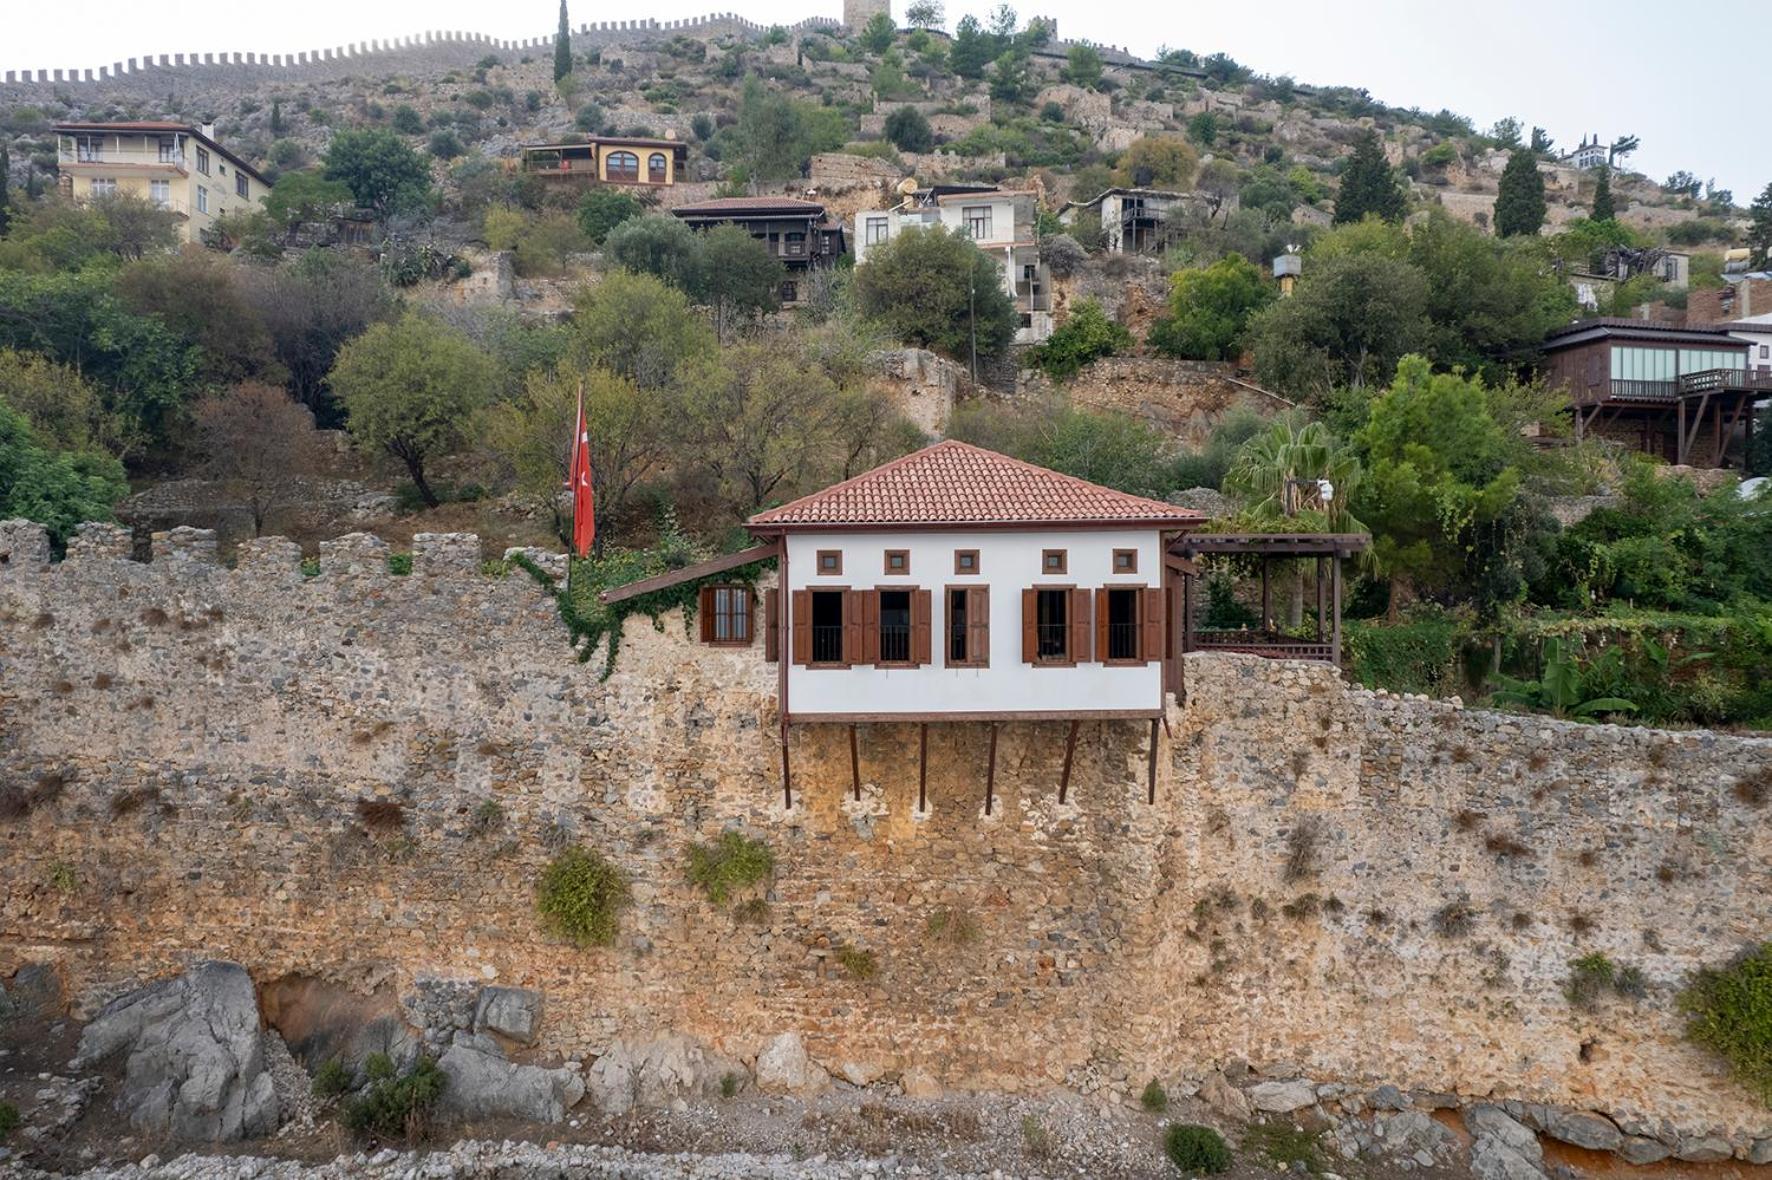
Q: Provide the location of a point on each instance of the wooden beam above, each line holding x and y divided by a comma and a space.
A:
990, 772
787, 782
1070, 748
1322, 601
700, 569
1151, 788
1267, 609
1335, 593
923, 767
854, 763
1688, 440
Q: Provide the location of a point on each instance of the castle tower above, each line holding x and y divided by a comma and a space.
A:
857, 13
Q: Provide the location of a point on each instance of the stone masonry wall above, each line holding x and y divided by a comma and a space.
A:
195, 742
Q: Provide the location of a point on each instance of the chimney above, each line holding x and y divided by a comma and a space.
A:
207, 130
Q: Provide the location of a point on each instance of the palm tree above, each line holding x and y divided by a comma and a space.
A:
1281, 474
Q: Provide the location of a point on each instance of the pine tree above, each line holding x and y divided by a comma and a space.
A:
276, 118
1369, 185
6, 188
1759, 234
562, 46
1519, 208
1603, 208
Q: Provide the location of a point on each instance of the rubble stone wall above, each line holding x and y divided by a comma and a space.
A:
185, 749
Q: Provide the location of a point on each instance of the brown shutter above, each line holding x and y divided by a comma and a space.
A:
707, 614
772, 625
1102, 615
1030, 635
921, 605
978, 625
745, 597
1080, 628
1153, 623
853, 649
870, 626
801, 602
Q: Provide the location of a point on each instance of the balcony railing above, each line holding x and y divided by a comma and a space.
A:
124, 157
827, 645
1122, 641
1052, 640
1712, 380
895, 644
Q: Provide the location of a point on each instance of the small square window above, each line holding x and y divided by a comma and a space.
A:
1054, 561
965, 561
898, 561
1125, 561
830, 561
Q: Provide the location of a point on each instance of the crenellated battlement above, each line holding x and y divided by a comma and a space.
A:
440, 46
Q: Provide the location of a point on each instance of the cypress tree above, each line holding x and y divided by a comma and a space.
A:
276, 118
1369, 185
1603, 209
1519, 207
5, 188
562, 46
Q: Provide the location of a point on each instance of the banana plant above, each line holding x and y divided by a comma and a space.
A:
1562, 687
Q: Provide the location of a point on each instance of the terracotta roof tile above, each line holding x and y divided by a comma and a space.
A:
955, 483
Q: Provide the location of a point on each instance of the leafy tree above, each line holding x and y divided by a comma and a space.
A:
1506, 133
1086, 335
774, 135
603, 208
937, 290
407, 120
563, 46
1160, 161
971, 51
64, 410
202, 298
1112, 449
1369, 185
1218, 181
1083, 66
1603, 206
5, 188
411, 388
57, 489
1012, 77
1440, 467
1519, 206
1759, 233
58, 235
445, 144
638, 327
1683, 184
1203, 128
1351, 319
878, 34
909, 131
304, 196
1621, 147
738, 277
658, 245
382, 172
1209, 309
310, 309
1491, 302
924, 14
1541, 143
257, 444
631, 432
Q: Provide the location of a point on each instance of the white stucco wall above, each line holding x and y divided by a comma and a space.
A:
1009, 562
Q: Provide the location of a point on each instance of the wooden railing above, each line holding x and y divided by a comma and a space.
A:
1712, 380
1261, 643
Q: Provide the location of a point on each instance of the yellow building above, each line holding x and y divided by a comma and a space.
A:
174, 165
646, 163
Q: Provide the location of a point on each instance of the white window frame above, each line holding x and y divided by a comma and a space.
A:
878, 230
160, 193
104, 186
202, 199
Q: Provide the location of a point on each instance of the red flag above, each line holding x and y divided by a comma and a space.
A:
578, 480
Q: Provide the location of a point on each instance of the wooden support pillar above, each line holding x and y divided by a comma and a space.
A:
1150, 794
1322, 601
1335, 593
787, 782
923, 766
1187, 613
1070, 749
1680, 432
990, 772
1267, 610
854, 763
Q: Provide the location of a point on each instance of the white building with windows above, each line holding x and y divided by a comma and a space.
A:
1000, 222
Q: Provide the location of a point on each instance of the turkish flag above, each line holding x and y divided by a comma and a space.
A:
578, 480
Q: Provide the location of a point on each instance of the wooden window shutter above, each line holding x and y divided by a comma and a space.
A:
707, 614
853, 650
1080, 627
772, 625
745, 599
1153, 623
1030, 635
922, 603
801, 602
870, 627
978, 626
1102, 615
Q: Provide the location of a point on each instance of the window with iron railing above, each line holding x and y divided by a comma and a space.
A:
1122, 624
895, 627
1052, 626
794, 245
827, 627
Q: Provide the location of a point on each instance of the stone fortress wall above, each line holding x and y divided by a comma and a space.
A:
1351, 886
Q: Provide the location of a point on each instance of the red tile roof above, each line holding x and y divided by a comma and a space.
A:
955, 483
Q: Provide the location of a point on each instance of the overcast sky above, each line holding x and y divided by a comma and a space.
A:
1677, 76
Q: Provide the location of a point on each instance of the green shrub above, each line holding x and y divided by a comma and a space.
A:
379, 1067
1086, 336
400, 564
1592, 976
581, 896
951, 927
9, 1119
397, 1106
729, 1085
857, 963
332, 1079
731, 863
1154, 1099
1196, 1149
1284, 1145
1729, 1011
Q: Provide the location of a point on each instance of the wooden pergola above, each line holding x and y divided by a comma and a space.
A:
1326, 549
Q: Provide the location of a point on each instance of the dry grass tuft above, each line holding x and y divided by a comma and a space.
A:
381, 815
1467, 820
